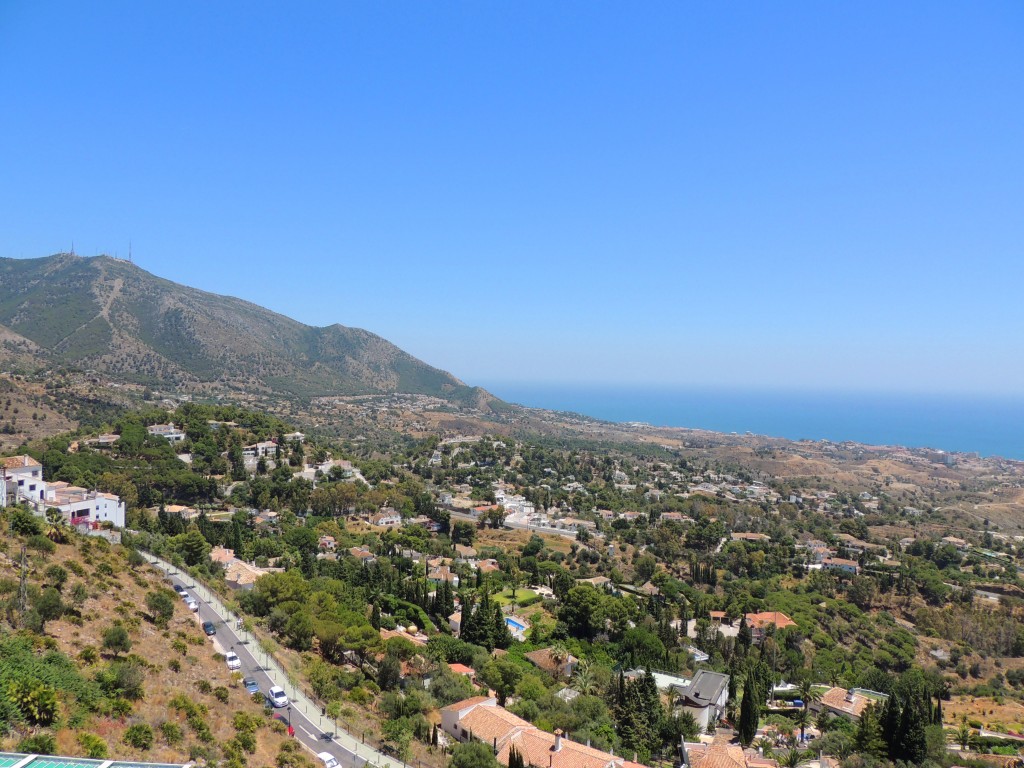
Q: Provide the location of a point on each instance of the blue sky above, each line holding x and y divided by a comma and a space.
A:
797, 195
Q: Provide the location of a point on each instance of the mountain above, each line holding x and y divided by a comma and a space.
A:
109, 315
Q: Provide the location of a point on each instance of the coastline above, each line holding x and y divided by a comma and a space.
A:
986, 426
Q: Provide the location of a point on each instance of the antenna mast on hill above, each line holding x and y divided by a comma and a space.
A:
129, 251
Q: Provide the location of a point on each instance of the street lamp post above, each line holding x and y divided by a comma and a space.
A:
289, 715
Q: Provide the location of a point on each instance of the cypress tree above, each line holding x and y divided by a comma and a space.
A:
749, 711
744, 638
501, 635
869, 738
891, 725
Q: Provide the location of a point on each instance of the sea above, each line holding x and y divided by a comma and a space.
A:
986, 425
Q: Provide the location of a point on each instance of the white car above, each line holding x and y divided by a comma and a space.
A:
233, 661
277, 697
329, 760
192, 605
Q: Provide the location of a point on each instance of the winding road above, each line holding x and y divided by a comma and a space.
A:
315, 730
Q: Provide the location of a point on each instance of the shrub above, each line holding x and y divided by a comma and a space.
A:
221, 694
24, 523
116, 640
39, 744
246, 740
171, 732
41, 544
88, 654
174, 665
203, 686
139, 736
120, 708
94, 746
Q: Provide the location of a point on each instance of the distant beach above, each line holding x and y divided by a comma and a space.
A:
990, 426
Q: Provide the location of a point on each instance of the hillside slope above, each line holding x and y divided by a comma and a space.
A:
163, 694
111, 316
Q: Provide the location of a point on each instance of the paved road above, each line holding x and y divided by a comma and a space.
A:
315, 731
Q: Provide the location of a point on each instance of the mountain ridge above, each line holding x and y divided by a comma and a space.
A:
113, 316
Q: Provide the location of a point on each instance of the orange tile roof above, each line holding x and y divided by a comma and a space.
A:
538, 749
472, 701
717, 756
493, 723
778, 618
15, 462
835, 698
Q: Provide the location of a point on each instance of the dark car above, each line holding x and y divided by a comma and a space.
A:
208, 628
251, 686
179, 589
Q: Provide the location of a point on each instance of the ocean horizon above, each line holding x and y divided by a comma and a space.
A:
987, 425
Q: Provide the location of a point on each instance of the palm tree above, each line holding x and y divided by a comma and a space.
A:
801, 719
583, 678
56, 530
808, 692
962, 735
765, 746
793, 757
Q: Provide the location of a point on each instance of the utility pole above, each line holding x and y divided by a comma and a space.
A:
23, 586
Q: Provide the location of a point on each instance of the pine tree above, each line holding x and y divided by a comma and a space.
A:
375, 617
515, 759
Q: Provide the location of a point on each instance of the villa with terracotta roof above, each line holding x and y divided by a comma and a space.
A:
845, 703
724, 755
482, 719
759, 623
543, 658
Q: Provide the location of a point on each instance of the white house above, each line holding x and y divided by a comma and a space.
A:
23, 478
23, 482
262, 450
167, 431
84, 507
705, 697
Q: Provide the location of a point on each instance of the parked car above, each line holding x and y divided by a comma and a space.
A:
277, 697
185, 595
192, 605
251, 686
329, 760
232, 660
179, 589
208, 628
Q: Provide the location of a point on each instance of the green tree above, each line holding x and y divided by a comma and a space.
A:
501, 675
750, 709
389, 673
56, 576
49, 606
160, 605
473, 754
869, 739
116, 640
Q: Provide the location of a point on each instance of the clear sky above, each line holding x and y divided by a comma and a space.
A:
825, 195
